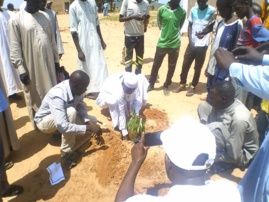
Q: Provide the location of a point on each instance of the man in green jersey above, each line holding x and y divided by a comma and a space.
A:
171, 18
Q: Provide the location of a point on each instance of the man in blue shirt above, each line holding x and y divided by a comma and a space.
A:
255, 79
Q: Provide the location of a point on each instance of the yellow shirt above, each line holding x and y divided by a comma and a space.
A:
265, 14
265, 106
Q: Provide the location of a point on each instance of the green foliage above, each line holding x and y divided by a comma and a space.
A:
135, 126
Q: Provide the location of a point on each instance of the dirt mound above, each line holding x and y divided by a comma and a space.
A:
112, 163
156, 120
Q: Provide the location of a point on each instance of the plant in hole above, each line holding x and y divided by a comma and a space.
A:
135, 126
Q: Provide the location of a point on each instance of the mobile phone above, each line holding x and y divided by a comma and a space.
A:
153, 139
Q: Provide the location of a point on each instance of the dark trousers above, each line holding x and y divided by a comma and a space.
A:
131, 43
193, 53
262, 121
158, 59
4, 185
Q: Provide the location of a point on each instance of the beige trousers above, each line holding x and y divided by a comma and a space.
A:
47, 125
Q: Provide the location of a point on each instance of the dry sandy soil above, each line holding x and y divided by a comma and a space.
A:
98, 175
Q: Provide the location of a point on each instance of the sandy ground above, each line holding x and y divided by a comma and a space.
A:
98, 175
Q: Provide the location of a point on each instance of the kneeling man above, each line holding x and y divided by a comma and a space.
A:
121, 93
232, 124
63, 109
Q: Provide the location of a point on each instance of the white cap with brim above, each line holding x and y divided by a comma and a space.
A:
130, 80
186, 140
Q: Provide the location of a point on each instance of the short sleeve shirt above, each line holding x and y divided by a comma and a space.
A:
170, 22
199, 19
132, 8
246, 38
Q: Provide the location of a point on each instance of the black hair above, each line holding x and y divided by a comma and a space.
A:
257, 8
224, 88
10, 5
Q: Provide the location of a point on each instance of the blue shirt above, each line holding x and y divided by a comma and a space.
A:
3, 102
254, 79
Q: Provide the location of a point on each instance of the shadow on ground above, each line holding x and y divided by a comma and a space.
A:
37, 185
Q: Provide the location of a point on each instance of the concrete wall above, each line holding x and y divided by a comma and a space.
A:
60, 6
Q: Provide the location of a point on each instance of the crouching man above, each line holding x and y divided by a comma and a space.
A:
233, 125
121, 93
63, 109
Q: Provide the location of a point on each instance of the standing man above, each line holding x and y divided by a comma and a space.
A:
86, 33
9, 75
135, 15
170, 20
6, 190
200, 16
55, 27
34, 53
10, 9
49, 4
105, 8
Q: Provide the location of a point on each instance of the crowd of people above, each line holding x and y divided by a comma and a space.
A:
226, 137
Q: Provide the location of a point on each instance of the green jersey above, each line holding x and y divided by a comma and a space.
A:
170, 23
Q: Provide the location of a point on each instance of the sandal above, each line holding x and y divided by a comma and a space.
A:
14, 190
9, 165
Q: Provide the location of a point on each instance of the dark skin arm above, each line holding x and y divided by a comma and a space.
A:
206, 30
139, 154
146, 22
263, 48
134, 17
81, 55
189, 33
100, 36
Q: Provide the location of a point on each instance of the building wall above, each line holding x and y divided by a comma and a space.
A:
60, 6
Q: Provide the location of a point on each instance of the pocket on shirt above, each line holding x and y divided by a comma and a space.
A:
130, 12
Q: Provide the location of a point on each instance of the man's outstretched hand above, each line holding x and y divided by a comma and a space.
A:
139, 151
248, 55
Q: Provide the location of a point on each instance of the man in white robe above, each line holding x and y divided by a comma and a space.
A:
121, 93
34, 53
55, 26
9, 75
10, 9
85, 30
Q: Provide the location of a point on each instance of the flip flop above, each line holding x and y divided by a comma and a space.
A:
14, 190
9, 165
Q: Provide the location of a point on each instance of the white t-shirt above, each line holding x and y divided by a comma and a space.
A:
199, 19
219, 191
